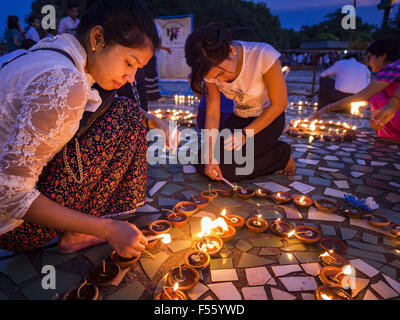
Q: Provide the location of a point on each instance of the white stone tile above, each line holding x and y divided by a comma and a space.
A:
384, 290
331, 158
286, 269
357, 174
378, 163
197, 291
342, 184
349, 149
208, 298
292, 212
257, 276
157, 187
366, 225
315, 214
189, 169
224, 275
309, 161
333, 148
312, 268
307, 296
364, 267
147, 208
302, 187
281, 295
359, 286
272, 186
361, 162
397, 165
370, 296
254, 293
328, 169
334, 193
299, 283
393, 283
225, 291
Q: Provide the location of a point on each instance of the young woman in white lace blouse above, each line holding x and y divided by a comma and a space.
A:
47, 178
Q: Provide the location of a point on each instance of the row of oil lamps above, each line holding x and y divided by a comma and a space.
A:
211, 239
182, 117
183, 99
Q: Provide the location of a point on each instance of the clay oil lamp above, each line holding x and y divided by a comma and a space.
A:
335, 244
197, 259
262, 193
326, 205
86, 291
225, 192
160, 226
244, 193
187, 277
233, 220
352, 213
333, 259
186, 207
303, 202
211, 244
177, 219
282, 197
123, 263
257, 224
280, 227
305, 234
332, 276
104, 274
221, 229
377, 220
395, 229
209, 194
200, 201
171, 293
331, 293
150, 243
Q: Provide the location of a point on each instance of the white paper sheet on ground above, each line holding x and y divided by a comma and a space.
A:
309, 161
397, 165
157, 187
366, 225
301, 187
361, 162
328, 169
333, 148
315, 214
331, 158
357, 174
378, 163
147, 208
364, 267
292, 212
334, 193
225, 291
272, 186
342, 184
189, 169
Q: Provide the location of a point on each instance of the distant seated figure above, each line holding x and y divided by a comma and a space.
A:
351, 77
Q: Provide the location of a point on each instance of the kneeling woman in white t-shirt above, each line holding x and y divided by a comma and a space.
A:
250, 74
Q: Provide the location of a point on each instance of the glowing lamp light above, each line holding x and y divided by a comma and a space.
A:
355, 107
166, 238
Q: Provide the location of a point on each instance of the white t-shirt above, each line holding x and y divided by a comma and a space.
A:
33, 34
351, 75
248, 90
68, 25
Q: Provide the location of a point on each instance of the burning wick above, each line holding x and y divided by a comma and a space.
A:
258, 221
346, 270
291, 233
165, 238
232, 220
175, 288
325, 297
302, 201
327, 254
278, 226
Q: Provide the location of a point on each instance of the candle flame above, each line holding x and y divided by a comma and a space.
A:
302, 200
291, 233
312, 126
166, 238
176, 286
223, 213
325, 254
355, 107
325, 297
220, 223
347, 270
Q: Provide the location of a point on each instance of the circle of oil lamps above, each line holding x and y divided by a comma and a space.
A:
197, 259
257, 224
171, 293
263, 193
331, 293
160, 226
244, 193
200, 201
280, 227
395, 229
303, 202
326, 205
336, 277
123, 262
210, 244
186, 207
233, 220
103, 274
85, 291
333, 243
305, 234
377, 220
209, 194
186, 276
282, 197
333, 259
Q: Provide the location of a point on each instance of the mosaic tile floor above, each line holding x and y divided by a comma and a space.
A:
251, 266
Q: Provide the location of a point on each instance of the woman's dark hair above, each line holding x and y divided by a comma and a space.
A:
71, 5
388, 45
32, 19
206, 47
124, 22
12, 22
243, 34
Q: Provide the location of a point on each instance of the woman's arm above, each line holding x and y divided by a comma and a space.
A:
364, 95
277, 92
16, 41
380, 117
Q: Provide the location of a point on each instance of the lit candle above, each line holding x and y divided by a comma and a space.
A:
325, 297
233, 219
258, 221
346, 271
291, 233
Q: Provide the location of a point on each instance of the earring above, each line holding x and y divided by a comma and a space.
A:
94, 49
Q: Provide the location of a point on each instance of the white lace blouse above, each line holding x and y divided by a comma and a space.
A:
42, 100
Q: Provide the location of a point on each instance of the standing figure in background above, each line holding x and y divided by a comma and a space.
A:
13, 33
32, 32
70, 23
351, 77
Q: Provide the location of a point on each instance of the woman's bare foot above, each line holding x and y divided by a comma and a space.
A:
290, 168
71, 242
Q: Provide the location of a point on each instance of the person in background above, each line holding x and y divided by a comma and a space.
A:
13, 33
351, 77
70, 23
384, 59
32, 32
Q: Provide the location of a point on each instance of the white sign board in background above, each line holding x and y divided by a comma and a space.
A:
175, 31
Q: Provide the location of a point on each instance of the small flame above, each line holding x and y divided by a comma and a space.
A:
166, 238
302, 200
325, 297
355, 107
325, 254
176, 286
220, 223
223, 213
347, 270
312, 126
291, 233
